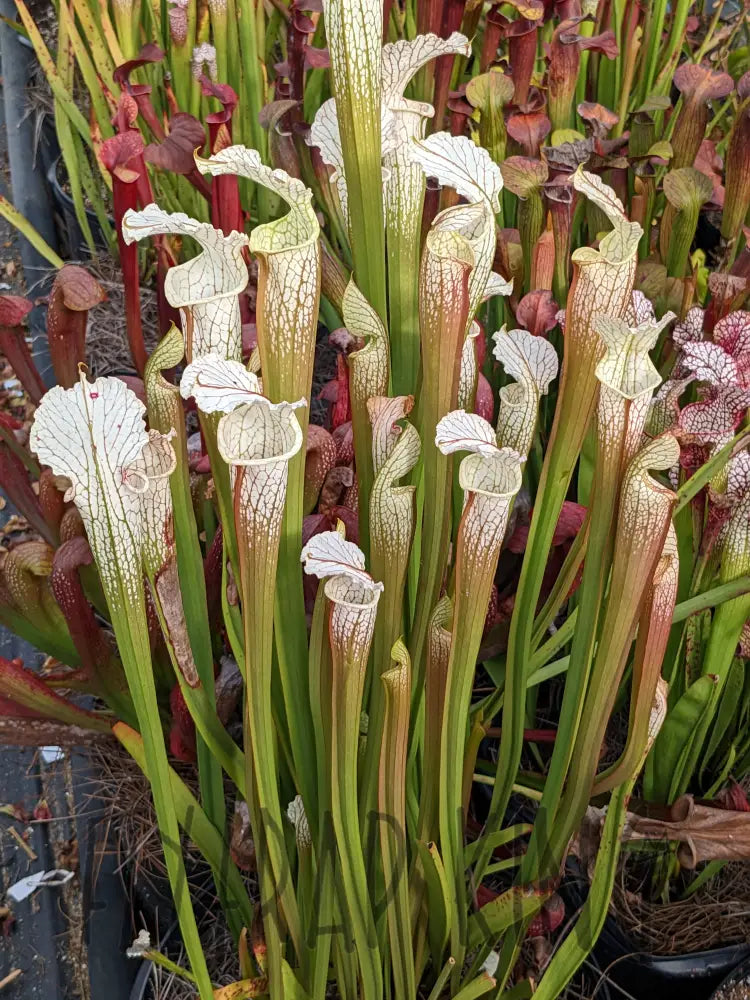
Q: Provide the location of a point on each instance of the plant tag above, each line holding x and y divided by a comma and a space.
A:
491, 963
26, 886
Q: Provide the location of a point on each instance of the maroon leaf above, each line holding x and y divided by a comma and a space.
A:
572, 516
727, 292
702, 82
14, 480
522, 43
548, 919
150, 53
529, 131
98, 660
698, 85
175, 153
336, 391
51, 500
564, 64
122, 155
484, 401
182, 730
317, 58
733, 797
14, 309
601, 119
29, 692
568, 156
738, 167
537, 312
223, 93
74, 292
320, 458
13, 345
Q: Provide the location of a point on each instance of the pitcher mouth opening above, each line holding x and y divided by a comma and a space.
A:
370, 591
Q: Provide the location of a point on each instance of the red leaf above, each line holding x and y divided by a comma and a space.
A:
223, 93
572, 516
485, 895
320, 458
14, 480
74, 292
317, 58
733, 797
537, 312
601, 119
709, 163
24, 688
42, 810
484, 402
336, 391
103, 669
182, 730
529, 131
150, 53
135, 385
548, 919
121, 155
14, 309
702, 82
175, 153
9, 423
13, 345
51, 500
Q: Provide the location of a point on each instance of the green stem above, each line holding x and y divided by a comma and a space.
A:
253, 92
556, 474
290, 634
711, 598
348, 684
193, 591
590, 600
258, 547
573, 951
131, 631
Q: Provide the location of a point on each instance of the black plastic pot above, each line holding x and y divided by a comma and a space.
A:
142, 981
693, 976
71, 235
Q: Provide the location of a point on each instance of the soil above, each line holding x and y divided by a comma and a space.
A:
717, 914
126, 797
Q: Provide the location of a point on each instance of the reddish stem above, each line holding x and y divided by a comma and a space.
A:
125, 196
